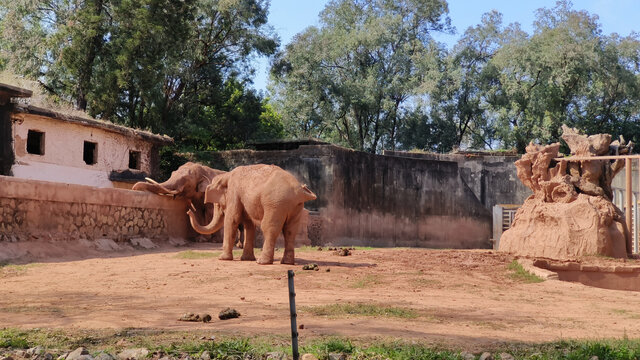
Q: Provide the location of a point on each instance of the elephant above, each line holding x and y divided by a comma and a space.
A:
264, 195
189, 181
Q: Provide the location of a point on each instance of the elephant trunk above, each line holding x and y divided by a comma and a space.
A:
216, 223
153, 187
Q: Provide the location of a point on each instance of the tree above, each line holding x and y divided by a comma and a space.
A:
457, 100
353, 79
164, 65
566, 72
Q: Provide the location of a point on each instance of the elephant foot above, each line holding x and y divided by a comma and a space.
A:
287, 259
264, 260
226, 257
247, 257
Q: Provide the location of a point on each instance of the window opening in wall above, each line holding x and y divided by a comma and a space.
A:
134, 159
90, 154
35, 142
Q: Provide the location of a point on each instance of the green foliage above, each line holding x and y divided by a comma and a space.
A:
180, 68
352, 79
13, 338
180, 343
190, 254
366, 80
520, 274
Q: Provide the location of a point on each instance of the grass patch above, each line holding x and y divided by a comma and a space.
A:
192, 255
522, 275
336, 310
196, 255
307, 248
179, 344
422, 281
13, 338
366, 281
7, 269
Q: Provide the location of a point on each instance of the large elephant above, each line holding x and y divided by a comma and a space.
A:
256, 194
189, 181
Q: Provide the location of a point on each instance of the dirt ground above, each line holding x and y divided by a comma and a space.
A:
460, 296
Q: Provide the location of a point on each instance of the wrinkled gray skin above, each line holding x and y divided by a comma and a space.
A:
189, 181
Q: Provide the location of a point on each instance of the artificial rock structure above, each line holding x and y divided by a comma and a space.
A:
570, 213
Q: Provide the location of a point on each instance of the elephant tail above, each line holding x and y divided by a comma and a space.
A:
306, 194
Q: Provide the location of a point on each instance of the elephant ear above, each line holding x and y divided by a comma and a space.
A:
202, 185
216, 191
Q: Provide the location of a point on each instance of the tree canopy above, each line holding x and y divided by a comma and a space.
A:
177, 67
353, 79
372, 77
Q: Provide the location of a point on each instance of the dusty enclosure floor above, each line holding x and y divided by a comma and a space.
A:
451, 296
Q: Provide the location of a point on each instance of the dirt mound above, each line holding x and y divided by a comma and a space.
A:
570, 213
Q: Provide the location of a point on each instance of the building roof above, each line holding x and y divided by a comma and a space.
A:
7, 92
90, 122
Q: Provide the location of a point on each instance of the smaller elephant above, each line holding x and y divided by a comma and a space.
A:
263, 195
189, 181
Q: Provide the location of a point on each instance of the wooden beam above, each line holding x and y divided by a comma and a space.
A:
606, 157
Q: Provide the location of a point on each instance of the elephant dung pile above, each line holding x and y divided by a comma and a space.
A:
570, 213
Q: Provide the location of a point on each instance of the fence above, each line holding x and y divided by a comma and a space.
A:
503, 215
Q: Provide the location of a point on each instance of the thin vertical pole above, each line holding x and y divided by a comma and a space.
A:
628, 203
294, 315
637, 221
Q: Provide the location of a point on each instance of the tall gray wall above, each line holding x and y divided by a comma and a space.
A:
493, 179
366, 199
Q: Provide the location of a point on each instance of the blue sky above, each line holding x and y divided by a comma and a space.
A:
289, 17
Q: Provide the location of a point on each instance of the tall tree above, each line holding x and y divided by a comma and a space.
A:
353, 80
162, 65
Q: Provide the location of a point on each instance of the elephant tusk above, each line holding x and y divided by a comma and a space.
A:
192, 207
151, 181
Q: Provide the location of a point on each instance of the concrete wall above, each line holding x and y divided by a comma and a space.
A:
62, 160
493, 179
42, 210
366, 199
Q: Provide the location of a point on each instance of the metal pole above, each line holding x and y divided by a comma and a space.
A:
628, 203
294, 315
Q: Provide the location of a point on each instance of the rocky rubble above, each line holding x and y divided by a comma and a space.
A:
81, 353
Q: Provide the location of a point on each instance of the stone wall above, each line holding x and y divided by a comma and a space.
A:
367, 199
493, 179
32, 210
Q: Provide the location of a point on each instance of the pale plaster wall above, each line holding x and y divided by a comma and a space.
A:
36, 209
62, 160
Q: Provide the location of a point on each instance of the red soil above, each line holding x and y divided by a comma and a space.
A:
461, 296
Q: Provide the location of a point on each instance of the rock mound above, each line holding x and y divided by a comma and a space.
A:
570, 213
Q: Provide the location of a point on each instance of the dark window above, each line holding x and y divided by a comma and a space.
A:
35, 142
90, 153
134, 159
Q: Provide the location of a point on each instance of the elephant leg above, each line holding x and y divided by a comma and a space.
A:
290, 230
271, 227
249, 238
230, 229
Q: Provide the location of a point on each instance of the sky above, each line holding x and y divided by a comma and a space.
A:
289, 17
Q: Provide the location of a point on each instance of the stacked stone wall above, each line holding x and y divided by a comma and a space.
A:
51, 211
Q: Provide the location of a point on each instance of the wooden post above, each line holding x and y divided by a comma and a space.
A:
294, 315
628, 203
